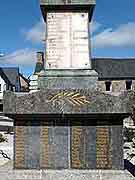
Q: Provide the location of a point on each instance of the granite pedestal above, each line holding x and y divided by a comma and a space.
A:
69, 127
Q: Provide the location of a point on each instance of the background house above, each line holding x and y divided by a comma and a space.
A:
9, 80
115, 75
12, 80
24, 82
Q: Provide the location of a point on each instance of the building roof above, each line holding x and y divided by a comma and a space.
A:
24, 78
108, 68
24, 82
38, 68
10, 74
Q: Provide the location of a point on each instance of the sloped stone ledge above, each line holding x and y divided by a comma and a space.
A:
65, 102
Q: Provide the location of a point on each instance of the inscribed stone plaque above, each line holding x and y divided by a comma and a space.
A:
44, 157
19, 147
77, 162
117, 147
55, 145
90, 144
83, 147
32, 145
67, 40
103, 147
46, 145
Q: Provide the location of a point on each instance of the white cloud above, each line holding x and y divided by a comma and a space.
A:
123, 36
22, 58
37, 33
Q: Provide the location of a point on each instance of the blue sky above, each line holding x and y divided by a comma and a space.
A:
22, 29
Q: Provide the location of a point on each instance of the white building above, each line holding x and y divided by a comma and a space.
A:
9, 80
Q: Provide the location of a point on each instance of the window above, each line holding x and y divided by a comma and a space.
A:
1, 107
128, 85
108, 85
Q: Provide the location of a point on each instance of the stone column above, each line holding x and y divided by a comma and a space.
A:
68, 61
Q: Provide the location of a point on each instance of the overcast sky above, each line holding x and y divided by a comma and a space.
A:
22, 29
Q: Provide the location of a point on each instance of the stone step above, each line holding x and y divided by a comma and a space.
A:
65, 175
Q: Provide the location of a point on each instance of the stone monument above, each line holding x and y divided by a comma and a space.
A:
67, 125
68, 44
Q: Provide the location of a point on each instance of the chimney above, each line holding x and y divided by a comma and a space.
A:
40, 58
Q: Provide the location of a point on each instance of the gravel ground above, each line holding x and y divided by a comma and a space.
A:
7, 148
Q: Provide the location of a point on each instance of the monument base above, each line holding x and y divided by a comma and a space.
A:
87, 175
66, 175
68, 79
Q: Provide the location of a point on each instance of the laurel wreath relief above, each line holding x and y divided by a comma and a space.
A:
74, 98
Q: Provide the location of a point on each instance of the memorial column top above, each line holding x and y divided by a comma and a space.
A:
67, 2
67, 5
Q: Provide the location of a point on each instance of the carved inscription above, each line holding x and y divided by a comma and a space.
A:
19, 147
45, 146
73, 98
54, 143
103, 155
90, 147
67, 44
76, 143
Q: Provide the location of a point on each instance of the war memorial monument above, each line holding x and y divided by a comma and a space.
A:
69, 129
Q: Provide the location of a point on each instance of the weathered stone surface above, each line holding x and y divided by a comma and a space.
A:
68, 79
67, 101
21, 175
9, 102
65, 175
68, 92
86, 175
32, 147
58, 148
117, 86
117, 147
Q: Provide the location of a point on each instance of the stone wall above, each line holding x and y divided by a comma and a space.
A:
116, 86
101, 86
